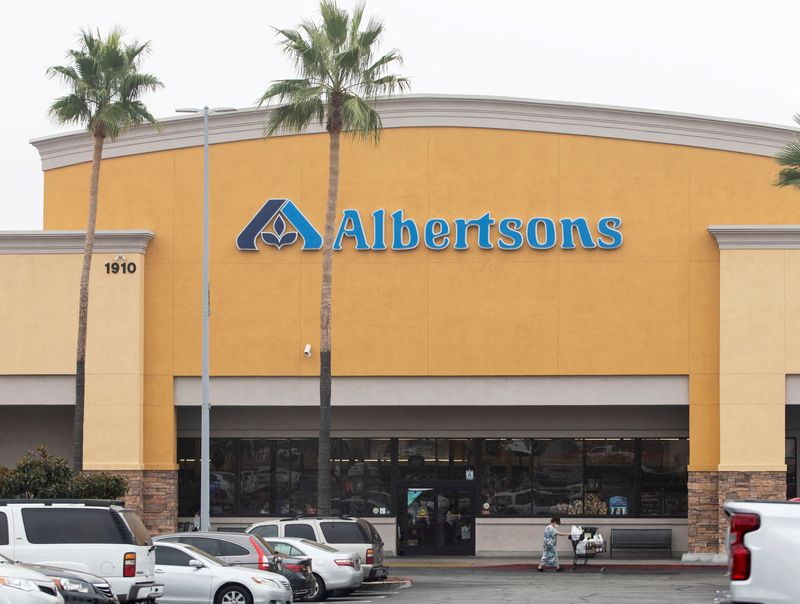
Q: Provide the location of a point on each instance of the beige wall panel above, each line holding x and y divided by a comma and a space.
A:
38, 313
704, 441
66, 197
704, 422
734, 188
752, 388
493, 319
186, 319
113, 424
792, 285
704, 317
243, 176
139, 194
644, 184
381, 319
511, 174
158, 327
311, 282
752, 437
135, 193
115, 338
255, 319
752, 324
623, 318
160, 438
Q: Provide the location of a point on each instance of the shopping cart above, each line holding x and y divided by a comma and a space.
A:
592, 548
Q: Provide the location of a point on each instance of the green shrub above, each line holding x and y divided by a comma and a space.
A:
39, 475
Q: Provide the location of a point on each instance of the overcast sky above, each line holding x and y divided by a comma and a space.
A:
736, 59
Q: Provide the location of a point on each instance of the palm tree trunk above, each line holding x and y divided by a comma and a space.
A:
324, 476
83, 306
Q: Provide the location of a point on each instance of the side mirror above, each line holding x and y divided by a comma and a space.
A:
196, 563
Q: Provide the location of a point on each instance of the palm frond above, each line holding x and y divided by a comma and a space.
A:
294, 117
337, 74
105, 84
790, 158
359, 119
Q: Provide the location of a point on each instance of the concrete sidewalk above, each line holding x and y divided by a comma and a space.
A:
531, 561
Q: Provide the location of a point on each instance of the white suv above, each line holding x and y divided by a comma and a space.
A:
346, 534
99, 537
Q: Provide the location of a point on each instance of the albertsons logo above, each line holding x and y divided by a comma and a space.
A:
280, 223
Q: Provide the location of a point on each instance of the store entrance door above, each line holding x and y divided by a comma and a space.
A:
438, 519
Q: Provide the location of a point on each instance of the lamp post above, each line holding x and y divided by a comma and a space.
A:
205, 421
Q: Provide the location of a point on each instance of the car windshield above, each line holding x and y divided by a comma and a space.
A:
205, 556
316, 545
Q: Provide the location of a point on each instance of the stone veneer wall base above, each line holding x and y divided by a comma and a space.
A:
747, 485
153, 495
703, 513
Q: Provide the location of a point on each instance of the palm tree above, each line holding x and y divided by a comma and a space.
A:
339, 76
789, 157
105, 87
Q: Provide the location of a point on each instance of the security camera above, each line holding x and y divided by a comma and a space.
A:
307, 350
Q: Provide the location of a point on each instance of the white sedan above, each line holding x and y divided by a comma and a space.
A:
21, 585
191, 576
334, 570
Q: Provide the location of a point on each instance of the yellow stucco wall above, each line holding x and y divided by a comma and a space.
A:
650, 307
39, 316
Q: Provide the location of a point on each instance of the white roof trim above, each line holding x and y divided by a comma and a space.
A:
71, 242
428, 111
756, 236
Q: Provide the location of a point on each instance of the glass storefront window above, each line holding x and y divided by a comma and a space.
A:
516, 477
304, 462
362, 477
265, 479
416, 458
664, 478
507, 486
188, 476
609, 480
791, 468
558, 477
455, 457
222, 476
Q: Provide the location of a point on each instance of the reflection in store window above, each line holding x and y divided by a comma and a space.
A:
265, 477
507, 486
305, 464
416, 458
664, 477
558, 478
791, 468
609, 487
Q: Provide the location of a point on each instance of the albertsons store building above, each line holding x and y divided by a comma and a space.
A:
539, 309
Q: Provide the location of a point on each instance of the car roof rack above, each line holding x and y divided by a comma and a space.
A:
101, 503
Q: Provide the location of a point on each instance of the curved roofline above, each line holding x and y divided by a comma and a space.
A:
455, 111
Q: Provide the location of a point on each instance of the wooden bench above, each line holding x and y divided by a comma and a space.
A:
639, 540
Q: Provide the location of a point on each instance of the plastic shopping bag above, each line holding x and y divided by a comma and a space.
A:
576, 532
580, 549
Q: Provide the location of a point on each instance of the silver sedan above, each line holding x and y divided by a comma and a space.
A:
334, 570
191, 576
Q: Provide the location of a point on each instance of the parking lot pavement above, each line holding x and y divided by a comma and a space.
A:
524, 587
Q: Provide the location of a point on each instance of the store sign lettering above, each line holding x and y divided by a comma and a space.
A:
280, 223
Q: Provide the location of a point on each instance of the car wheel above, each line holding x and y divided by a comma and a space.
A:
318, 593
233, 594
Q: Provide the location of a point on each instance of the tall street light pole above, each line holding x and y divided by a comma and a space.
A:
205, 421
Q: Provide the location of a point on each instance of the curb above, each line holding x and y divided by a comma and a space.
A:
596, 565
398, 582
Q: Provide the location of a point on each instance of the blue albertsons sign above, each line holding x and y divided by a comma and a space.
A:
280, 222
